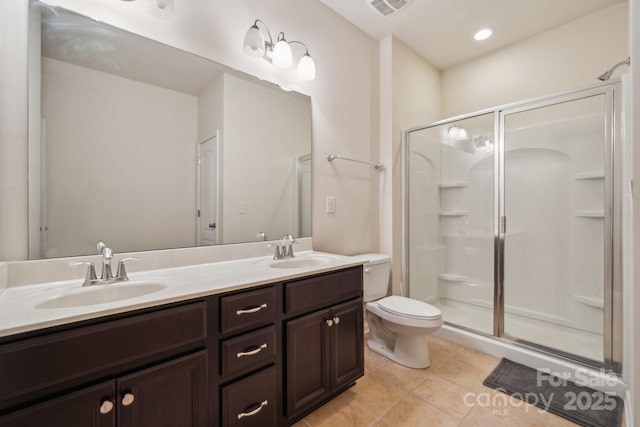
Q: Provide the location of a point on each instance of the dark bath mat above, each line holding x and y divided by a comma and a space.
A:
574, 402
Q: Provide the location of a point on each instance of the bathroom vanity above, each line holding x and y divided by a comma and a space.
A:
265, 353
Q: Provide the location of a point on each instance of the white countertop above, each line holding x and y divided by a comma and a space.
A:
19, 310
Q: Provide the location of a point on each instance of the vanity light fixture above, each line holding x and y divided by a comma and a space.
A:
483, 34
457, 134
280, 53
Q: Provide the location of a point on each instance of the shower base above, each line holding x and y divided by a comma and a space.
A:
582, 343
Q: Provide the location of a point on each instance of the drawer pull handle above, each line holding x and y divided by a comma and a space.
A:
251, 310
241, 415
329, 322
252, 352
106, 407
128, 399
336, 320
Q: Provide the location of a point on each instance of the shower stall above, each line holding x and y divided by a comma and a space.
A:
512, 223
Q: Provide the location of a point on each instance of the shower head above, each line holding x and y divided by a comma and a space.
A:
607, 75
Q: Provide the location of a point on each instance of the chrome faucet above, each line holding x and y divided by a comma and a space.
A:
107, 275
284, 247
107, 256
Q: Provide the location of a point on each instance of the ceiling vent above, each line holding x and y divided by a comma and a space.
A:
388, 7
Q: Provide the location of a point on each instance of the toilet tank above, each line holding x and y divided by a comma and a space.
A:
377, 270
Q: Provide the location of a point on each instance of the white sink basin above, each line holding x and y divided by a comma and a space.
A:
100, 294
305, 261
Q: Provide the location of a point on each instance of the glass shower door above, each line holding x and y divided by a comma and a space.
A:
556, 224
451, 219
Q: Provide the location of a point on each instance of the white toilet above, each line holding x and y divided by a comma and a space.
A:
398, 326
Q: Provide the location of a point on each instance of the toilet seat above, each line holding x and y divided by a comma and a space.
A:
408, 307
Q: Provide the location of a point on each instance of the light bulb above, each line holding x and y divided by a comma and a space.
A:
462, 134
306, 68
453, 132
483, 34
254, 42
282, 55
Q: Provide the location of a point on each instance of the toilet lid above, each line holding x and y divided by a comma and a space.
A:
408, 307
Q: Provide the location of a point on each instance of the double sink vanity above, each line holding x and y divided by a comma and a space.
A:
240, 342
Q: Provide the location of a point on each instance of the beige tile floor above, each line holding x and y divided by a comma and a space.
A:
390, 395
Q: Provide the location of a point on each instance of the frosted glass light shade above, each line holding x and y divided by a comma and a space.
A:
282, 55
254, 42
306, 68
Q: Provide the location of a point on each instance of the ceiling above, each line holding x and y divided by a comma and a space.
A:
441, 31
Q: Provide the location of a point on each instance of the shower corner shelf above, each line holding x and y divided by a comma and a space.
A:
453, 213
590, 301
453, 277
589, 214
453, 184
589, 175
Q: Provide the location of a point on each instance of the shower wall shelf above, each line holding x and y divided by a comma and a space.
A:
590, 301
453, 277
453, 213
589, 214
453, 184
589, 175
376, 166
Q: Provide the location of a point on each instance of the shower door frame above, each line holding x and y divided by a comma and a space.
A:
612, 333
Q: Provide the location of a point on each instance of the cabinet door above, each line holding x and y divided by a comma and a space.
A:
308, 376
347, 346
167, 395
89, 407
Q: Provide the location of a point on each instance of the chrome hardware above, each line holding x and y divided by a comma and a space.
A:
128, 399
106, 407
90, 278
329, 322
252, 352
107, 275
287, 247
251, 310
336, 320
261, 235
122, 271
107, 256
284, 247
241, 415
212, 225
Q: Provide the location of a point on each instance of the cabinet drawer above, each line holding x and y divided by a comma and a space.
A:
246, 309
322, 291
44, 364
248, 351
251, 402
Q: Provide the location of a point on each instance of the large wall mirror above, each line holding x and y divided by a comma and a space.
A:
149, 147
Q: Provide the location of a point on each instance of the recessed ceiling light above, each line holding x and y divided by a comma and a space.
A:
483, 34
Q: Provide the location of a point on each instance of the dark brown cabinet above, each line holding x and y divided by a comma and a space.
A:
170, 394
264, 356
325, 354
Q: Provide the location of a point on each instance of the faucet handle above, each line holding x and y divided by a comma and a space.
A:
122, 271
100, 246
277, 254
91, 277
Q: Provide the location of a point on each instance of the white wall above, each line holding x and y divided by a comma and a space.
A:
265, 189
567, 57
415, 100
13, 130
117, 133
344, 94
632, 371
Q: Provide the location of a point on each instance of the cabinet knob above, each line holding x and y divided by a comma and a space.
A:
241, 415
106, 407
128, 399
329, 322
336, 320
